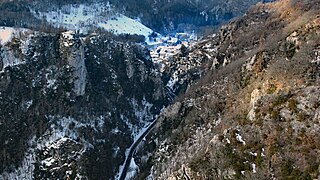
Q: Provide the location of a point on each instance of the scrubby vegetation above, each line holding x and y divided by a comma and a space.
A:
256, 115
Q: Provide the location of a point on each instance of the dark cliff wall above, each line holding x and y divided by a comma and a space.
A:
73, 100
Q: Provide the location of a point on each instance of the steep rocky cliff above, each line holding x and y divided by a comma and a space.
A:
255, 112
71, 105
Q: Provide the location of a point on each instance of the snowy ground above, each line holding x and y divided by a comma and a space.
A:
6, 34
54, 138
84, 17
133, 169
125, 25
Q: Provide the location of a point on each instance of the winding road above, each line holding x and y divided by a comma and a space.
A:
133, 149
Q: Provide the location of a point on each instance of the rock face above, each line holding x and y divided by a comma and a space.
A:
71, 104
254, 113
76, 60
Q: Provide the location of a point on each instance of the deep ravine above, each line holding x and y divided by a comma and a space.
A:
132, 90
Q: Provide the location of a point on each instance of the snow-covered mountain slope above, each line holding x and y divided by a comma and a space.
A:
87, 17
123, 25
162, 16
6, 34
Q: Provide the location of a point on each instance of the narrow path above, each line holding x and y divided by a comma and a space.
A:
133, 149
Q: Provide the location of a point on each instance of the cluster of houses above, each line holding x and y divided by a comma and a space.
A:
163, 48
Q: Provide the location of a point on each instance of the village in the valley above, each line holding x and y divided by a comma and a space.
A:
162, 48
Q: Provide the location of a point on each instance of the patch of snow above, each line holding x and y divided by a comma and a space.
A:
115, 131
58, 143
68, 38
253, 154
48, 162
262, 153
173, 80
132, 170
28, 104
254, 170
239, 138
51, 83
143, 115
205, 15
6, 33
119, 172
125, 25
68, 173
60, 130
116, 151
75, 17
84, 17
9, 59
68, 35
